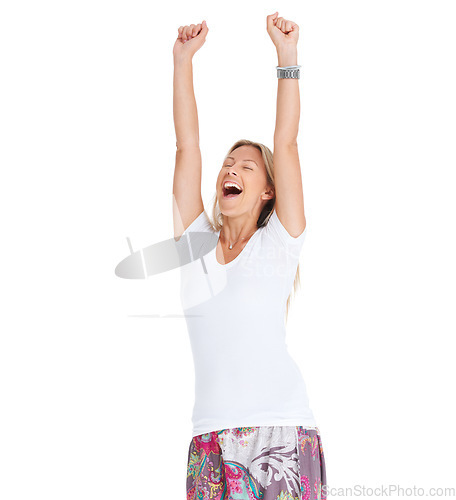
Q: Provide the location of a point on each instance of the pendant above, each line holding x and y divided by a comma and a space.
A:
231, 247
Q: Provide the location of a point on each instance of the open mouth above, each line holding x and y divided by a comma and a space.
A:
231, 190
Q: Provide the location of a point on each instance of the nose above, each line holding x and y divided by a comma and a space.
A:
231, 171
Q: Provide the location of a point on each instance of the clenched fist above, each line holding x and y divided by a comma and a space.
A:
190, 39
282, 32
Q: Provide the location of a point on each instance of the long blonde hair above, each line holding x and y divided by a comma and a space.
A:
217, 216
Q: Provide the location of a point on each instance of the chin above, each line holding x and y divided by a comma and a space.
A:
228, 207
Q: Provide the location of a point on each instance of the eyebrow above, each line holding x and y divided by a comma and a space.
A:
231, 158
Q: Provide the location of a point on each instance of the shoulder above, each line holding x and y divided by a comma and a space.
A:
277, 232
201, 223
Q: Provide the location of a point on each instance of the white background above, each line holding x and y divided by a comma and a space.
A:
97, 397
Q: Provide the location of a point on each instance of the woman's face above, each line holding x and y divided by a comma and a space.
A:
245, 168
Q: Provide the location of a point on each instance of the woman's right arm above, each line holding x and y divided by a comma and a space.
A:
187, 199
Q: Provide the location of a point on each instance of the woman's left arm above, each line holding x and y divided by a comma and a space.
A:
287, 170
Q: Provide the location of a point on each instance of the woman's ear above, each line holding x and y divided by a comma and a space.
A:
269, 194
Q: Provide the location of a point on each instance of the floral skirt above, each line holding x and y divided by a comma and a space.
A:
267, 462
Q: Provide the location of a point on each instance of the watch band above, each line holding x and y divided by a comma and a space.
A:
288, 72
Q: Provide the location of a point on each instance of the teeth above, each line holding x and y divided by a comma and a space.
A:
232, 184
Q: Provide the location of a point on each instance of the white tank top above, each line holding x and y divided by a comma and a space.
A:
235, 315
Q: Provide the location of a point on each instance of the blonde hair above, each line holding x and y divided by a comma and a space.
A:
266, 213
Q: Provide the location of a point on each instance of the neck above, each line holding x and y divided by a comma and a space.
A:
238, 229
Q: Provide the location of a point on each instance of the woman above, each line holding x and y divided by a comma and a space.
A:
254, 435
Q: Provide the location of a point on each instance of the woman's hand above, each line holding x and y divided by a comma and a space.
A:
283, 33
190, 39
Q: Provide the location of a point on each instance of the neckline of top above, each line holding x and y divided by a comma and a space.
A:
236, 259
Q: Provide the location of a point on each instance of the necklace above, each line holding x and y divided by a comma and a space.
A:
231, 245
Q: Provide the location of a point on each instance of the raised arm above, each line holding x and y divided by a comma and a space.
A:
187, 200
287, 170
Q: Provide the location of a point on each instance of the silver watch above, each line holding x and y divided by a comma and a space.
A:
288, 72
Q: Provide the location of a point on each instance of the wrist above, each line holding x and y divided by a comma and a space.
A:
287, 55
182, 60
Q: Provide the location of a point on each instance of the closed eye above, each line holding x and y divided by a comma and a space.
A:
248, 168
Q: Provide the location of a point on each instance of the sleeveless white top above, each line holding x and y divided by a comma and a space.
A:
235, 315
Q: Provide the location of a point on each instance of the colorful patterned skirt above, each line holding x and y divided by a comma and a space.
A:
267, 462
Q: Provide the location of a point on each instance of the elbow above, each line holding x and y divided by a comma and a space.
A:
187, 145
285, 141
